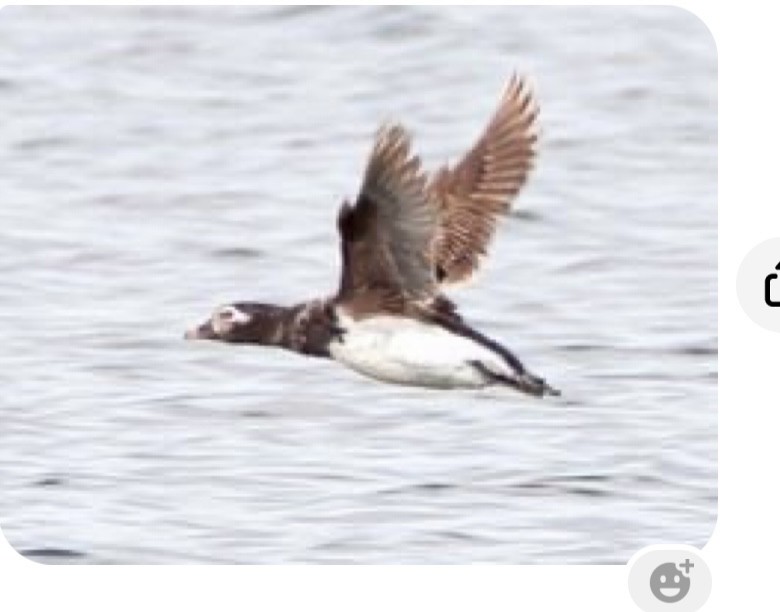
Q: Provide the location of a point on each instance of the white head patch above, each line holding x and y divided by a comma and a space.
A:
226, 317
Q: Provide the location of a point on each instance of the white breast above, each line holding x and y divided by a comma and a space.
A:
406, 351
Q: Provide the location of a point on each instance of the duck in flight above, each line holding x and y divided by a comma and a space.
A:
407, 238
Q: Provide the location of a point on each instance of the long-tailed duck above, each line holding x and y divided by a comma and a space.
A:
406, 239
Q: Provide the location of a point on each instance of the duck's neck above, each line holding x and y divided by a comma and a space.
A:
303, 328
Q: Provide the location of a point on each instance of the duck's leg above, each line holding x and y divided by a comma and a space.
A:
524, 381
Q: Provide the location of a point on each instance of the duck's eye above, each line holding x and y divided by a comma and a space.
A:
225, 315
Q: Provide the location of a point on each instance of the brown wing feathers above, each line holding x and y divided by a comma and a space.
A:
482, 185
387, 236
406, 237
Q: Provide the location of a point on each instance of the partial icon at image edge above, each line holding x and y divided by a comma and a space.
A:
767, 289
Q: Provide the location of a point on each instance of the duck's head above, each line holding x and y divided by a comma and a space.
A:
238, 322
306, 328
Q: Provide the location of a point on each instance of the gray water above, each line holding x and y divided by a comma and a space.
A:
156, 162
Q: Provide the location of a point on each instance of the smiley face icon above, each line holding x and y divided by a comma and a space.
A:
668, 583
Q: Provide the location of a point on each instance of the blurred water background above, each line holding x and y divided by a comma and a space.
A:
155, 162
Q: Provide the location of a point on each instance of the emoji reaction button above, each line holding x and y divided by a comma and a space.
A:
668, 583
666, 578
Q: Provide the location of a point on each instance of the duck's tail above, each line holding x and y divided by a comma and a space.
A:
515, 375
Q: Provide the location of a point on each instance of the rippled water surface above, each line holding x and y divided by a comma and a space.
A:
155, 162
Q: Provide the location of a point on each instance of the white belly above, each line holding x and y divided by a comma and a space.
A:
405, 351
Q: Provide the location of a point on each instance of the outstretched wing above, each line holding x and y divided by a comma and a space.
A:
483, 184
387, 236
